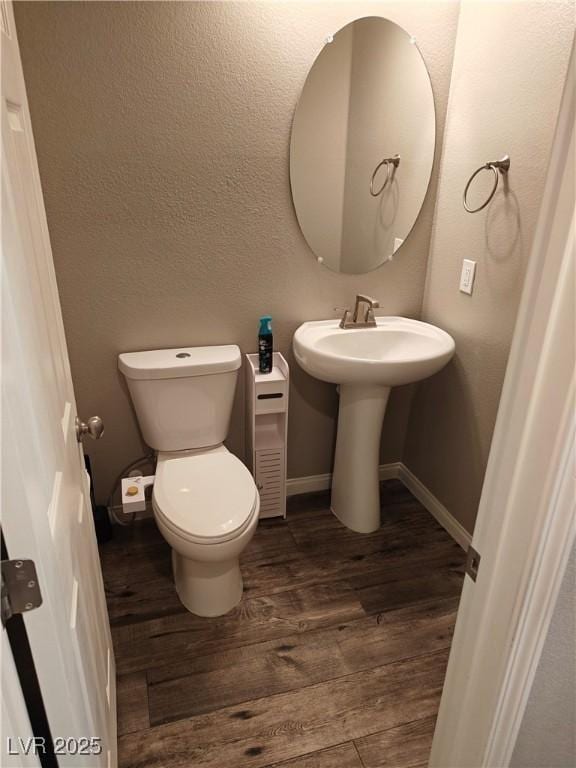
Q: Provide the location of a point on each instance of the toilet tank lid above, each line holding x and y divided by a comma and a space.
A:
179, 362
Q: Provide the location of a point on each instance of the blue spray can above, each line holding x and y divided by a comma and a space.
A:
265, 344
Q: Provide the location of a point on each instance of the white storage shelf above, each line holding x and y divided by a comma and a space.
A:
267, 430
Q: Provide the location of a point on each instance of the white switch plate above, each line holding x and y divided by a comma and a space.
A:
467, 276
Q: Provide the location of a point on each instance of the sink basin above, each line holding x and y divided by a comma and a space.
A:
366, 363
398, 351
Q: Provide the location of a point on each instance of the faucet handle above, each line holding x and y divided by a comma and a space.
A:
369, 318
345, 321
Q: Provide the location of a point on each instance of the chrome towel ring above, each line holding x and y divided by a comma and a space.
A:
391, 164
495, 166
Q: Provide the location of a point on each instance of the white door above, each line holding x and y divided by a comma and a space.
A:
46, 514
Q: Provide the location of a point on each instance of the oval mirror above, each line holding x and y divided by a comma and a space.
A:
362, 145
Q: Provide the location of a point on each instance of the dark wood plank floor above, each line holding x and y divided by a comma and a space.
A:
335, 657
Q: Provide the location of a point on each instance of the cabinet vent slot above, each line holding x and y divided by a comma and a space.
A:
270, 481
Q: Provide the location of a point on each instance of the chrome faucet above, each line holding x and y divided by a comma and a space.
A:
368, 321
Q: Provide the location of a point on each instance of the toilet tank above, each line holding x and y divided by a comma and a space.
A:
183, 397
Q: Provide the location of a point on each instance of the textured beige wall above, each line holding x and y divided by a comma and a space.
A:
509, 68
162, 132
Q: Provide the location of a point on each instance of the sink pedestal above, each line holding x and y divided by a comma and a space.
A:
355, 480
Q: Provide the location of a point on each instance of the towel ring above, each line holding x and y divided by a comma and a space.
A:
391, 164
495, 166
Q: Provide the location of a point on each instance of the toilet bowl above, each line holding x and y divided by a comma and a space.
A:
205, 500
206, 506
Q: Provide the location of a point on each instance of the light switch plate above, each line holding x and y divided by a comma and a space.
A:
467, 276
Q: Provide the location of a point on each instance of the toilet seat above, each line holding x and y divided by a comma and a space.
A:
204, 497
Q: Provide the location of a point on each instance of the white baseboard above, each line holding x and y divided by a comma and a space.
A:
392, 471
313, 483
395, 470
435, 507
309, 484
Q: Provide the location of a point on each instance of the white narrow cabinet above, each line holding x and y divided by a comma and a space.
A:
267, 432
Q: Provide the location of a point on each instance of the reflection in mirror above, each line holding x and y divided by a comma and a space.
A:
362, 145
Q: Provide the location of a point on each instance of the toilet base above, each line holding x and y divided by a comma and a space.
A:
207, 588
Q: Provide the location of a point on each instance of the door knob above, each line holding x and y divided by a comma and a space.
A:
93, 427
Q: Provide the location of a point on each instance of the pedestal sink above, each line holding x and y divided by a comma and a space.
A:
366, 363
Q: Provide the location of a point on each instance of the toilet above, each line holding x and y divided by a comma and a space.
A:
205, 500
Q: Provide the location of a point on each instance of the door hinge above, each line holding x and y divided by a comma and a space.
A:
20, 589
472, 563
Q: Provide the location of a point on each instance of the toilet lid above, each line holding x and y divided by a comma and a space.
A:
206, 496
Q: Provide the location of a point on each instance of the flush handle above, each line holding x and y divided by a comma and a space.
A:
93, 427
